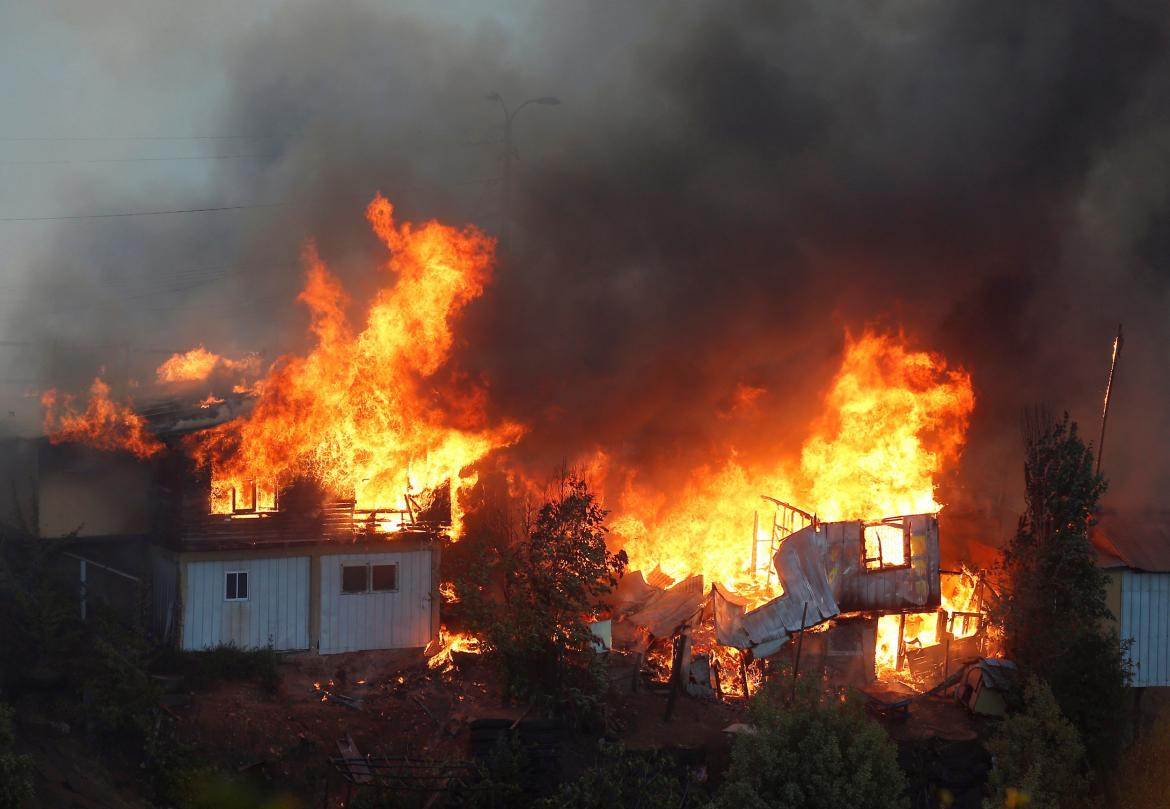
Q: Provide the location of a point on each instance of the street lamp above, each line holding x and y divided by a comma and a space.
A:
509, 153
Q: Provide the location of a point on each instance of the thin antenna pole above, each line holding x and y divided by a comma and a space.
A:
1118, 341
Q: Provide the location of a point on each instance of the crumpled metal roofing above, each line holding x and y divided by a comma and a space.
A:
801, 565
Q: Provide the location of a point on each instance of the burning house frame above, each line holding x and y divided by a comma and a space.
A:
838, 582
299, 572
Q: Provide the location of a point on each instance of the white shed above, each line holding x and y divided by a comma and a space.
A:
327, 597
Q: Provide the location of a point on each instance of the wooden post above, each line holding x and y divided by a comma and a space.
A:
947, 660
680, 648
743, 674
799, 646
84, 565
637, 673
755, 541
900, 655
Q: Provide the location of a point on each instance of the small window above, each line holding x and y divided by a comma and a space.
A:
355, 578
236, 585
384, 577
885, 545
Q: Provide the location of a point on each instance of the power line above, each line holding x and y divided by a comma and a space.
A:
127, 159
137, 213
136, 137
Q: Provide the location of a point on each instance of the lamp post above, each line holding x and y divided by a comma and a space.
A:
509, 153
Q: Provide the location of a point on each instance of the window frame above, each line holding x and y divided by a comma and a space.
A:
374, 589
366, 587
237, 597
898, 522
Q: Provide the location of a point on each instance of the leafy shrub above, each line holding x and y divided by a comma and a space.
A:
818, 753
622, 779
226, 663
16, 771
1039, 760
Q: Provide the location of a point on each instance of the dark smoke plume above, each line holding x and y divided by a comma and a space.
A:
726, 189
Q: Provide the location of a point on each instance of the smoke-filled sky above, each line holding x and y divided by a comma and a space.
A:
725, 189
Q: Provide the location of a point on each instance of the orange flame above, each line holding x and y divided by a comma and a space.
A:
198, 364
960, 600
103, 424
367, 413
894, 420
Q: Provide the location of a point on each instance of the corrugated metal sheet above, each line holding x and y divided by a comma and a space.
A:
914, 588
275, 614
352, 622
1145, 620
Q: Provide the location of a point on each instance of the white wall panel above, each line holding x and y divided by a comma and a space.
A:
1145, 620
401, 619
276, 612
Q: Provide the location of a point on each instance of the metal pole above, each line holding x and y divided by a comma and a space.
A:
506, 219
1118, 341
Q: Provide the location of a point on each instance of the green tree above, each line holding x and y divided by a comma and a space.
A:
818, 753
1053, 608
1038, 754
530, 596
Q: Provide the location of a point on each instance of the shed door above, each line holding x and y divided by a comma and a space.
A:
267, 606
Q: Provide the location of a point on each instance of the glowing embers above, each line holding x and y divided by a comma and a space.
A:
444, 654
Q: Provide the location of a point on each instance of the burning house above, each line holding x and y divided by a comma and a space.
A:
845, 584
302, 507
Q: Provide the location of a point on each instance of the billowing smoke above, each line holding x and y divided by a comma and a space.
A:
724, 191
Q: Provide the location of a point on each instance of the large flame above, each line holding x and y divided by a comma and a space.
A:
893, 420
103, 424
366, 413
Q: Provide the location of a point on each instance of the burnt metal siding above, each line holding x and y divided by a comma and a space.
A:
915, 588
276, 613
1145, 621
352, 622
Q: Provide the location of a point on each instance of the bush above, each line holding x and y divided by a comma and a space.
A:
1039, 760
622, 778
227, 663
16, 771
819, 753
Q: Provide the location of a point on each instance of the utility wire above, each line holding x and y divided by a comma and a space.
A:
138, 137
137, 213
127, 159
